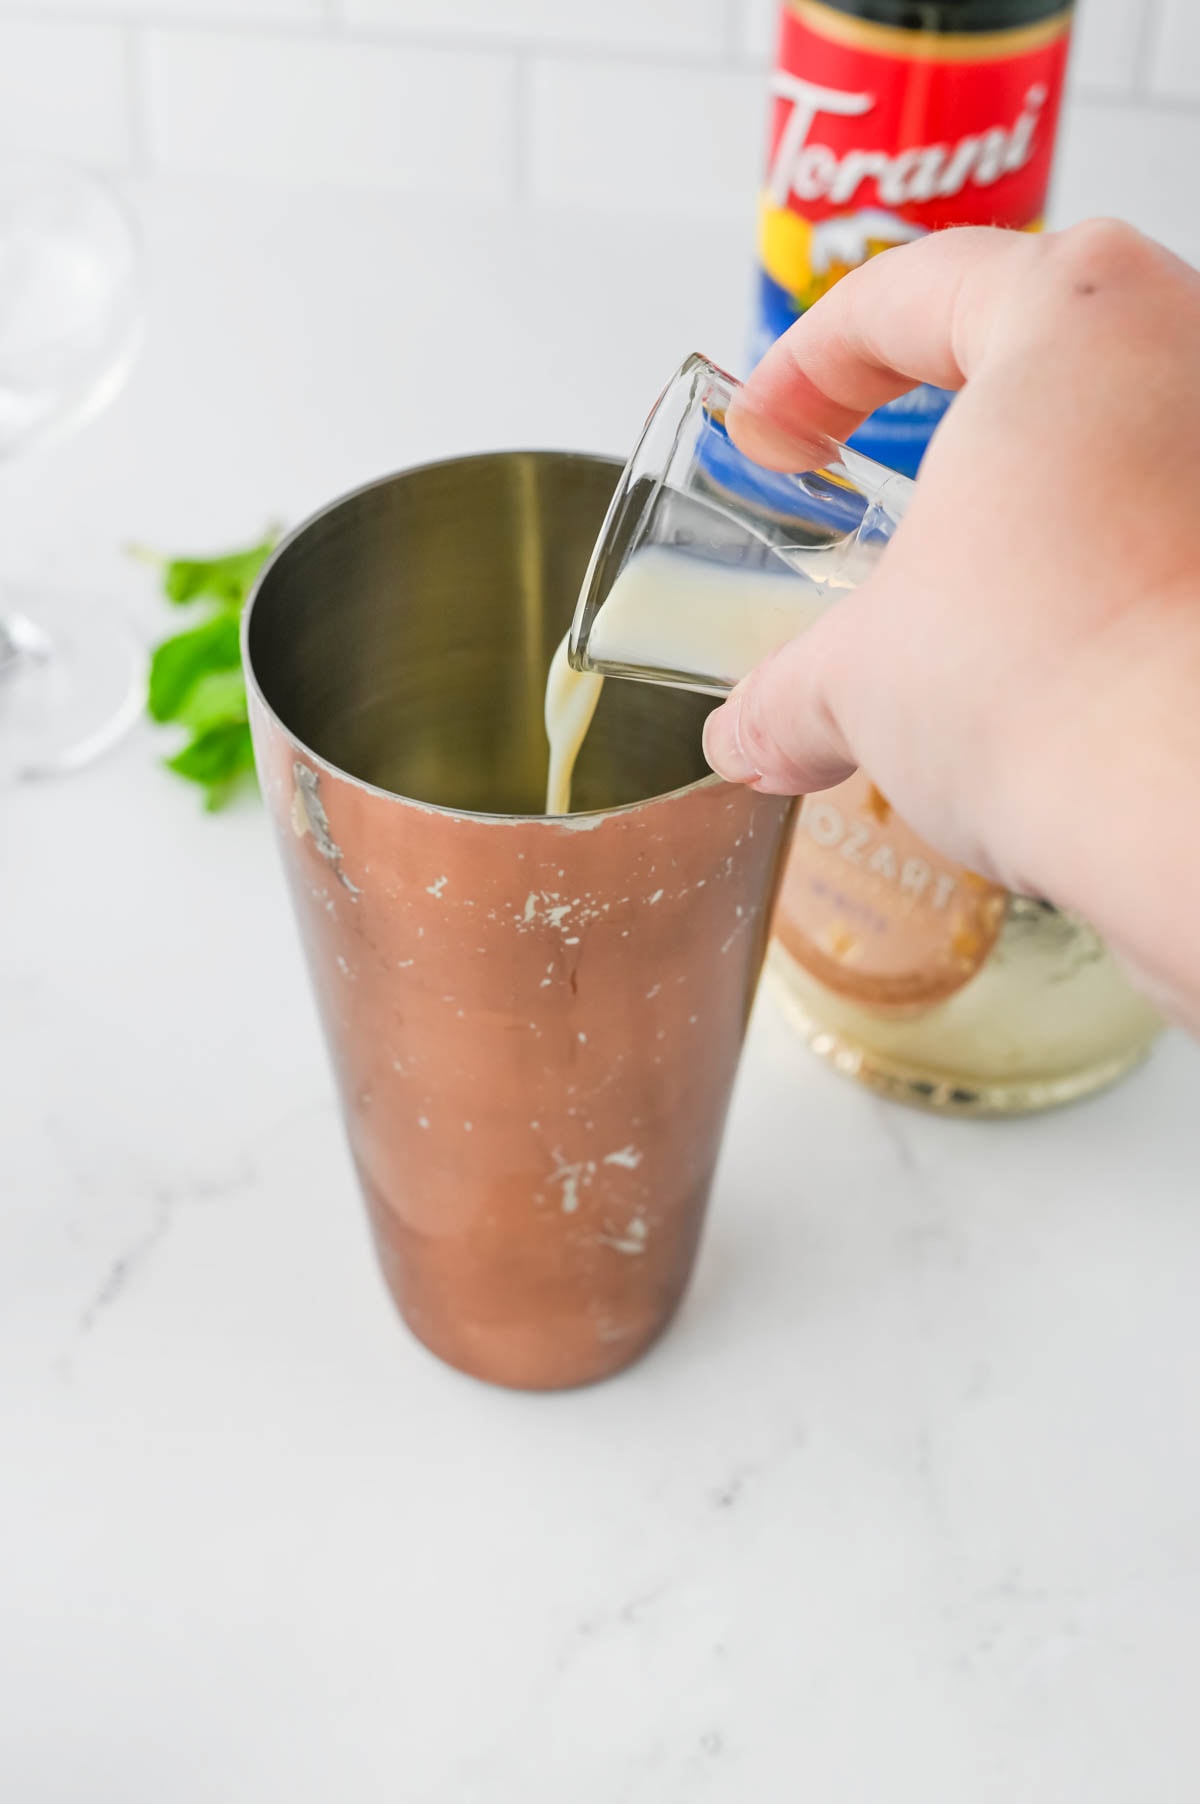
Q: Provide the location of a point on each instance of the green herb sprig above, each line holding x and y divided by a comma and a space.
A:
196, 677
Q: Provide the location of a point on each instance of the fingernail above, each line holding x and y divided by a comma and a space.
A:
723, 743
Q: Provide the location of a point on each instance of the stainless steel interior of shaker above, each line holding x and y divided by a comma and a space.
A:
404, 636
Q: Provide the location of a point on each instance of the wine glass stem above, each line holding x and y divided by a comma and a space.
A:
21, 642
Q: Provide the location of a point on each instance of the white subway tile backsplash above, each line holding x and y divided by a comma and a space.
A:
329, 111
646, 138
636, 105
1175, 57
759, 28
1105, 45
65, 88
693, 26
188, 12
1136, 162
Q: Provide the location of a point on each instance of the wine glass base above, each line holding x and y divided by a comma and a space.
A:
72, 683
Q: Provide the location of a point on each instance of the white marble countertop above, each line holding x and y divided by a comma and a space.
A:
907, 1505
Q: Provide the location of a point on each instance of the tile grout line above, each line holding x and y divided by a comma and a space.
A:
136, 79
1171, 106
1147, 43
522, 149
332, 24
332, 20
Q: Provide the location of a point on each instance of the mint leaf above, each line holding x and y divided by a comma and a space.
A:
218, 759
196, 677
218, 697
227, 580
181, 662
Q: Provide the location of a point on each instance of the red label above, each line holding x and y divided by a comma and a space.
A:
890, 133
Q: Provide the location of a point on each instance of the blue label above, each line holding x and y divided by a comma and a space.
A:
895, 435
819, 503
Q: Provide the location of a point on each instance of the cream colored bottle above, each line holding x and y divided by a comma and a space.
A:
939, 989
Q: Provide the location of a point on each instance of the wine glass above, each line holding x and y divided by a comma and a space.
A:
70, 317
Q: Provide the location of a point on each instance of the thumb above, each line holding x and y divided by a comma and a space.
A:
778, 731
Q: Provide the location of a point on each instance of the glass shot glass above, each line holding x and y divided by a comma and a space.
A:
707, 562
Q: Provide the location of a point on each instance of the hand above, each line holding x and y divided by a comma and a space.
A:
1021, 676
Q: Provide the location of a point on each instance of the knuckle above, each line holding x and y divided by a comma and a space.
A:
768, 716
1099, 250
755, 728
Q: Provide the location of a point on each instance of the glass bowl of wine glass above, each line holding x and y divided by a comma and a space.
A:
70, 320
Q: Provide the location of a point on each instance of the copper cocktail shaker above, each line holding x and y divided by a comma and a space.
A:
535, 1023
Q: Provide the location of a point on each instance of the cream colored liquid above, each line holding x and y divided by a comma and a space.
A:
669, 611
571, 697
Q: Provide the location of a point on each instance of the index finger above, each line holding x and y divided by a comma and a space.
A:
916, 313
